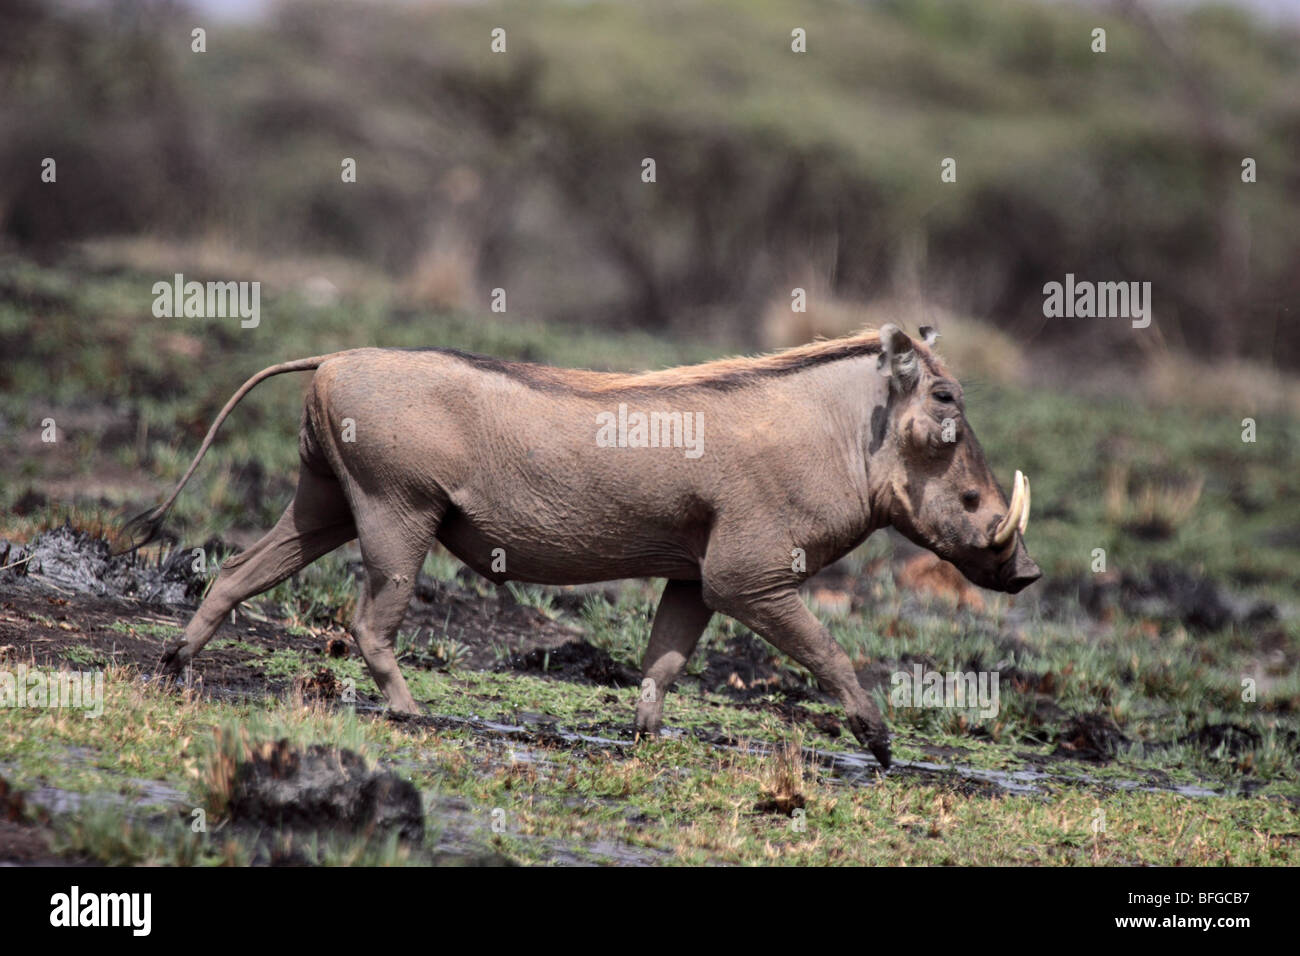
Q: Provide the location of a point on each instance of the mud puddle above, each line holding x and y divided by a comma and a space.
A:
849, 769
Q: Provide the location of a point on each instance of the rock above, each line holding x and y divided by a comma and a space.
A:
324, 788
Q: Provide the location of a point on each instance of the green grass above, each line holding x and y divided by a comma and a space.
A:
674, 800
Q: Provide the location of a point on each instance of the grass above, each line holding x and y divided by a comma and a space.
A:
677, 800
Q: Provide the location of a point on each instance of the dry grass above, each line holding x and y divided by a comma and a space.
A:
1247, 388
1153, 508
445, 274
786, 775
216, 770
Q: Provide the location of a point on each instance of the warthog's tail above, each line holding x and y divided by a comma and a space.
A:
143, 528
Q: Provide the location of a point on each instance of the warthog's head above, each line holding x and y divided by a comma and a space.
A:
941, 493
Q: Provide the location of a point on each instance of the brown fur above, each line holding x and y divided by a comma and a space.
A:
806, 452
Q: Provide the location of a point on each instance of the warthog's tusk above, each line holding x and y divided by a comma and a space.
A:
1024, 513
1013, 516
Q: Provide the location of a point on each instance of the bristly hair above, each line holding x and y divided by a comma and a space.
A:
720, 375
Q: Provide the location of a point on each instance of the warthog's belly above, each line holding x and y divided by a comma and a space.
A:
560, 554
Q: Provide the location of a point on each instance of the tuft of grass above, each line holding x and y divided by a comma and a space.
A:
111, 836
1156, 508
787, 774
534, 596
621, 629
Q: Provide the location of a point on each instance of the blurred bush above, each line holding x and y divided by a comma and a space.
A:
774, 169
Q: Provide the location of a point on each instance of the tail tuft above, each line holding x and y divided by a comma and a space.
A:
142, 529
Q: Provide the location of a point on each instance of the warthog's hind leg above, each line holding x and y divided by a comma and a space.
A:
316, 522
679, 622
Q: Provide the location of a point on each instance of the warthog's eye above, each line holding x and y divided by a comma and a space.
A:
971, 499
945, 396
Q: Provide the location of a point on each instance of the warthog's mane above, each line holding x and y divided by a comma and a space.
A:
722, 375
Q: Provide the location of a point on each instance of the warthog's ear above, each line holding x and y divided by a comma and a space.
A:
929, 335
898, 358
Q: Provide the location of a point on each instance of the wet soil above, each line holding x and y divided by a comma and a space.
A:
24, 832
1160, 593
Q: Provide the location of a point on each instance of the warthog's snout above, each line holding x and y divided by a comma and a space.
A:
1020, 572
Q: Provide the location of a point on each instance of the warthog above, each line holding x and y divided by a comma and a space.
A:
549, 475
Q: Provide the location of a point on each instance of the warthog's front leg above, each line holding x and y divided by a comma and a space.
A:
782, 619
679, 622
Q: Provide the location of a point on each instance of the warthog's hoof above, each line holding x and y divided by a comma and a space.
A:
649, 719
640, 733
873, 735
880, 749
173, 660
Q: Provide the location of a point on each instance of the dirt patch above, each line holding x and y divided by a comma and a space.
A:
576, 660
783, 803
793, 713
29, 502
45, 628
67, 595
1163, 593
747, 669
487, 629
1233, 738
1089, 737
24, 833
